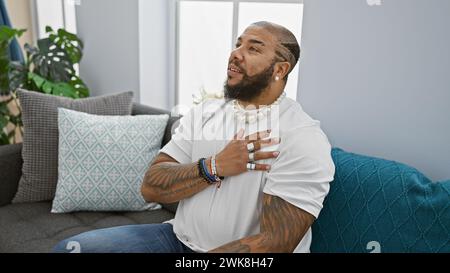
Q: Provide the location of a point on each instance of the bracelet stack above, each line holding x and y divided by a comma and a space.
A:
210, 178
214, 169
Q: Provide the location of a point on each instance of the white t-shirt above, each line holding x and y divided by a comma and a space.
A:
300, 174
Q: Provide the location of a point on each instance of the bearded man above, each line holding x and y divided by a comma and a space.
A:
250, 171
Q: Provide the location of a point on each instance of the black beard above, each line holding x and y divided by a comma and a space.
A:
249, 87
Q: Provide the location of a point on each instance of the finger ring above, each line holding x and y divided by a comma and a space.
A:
251, 157
251, 166
250, 147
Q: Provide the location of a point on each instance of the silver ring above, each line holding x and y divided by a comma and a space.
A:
250, 147
251, 166
251, 157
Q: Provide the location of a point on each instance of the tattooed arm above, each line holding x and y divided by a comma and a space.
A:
282, 227
167, 181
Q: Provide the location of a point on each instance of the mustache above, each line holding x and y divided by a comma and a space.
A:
237, 65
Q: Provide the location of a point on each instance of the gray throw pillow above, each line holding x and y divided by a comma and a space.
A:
40, 141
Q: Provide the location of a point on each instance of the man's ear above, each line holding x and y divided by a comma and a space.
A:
282, 69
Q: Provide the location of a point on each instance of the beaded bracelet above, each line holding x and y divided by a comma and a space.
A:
210, 177
201, 170
213, 167
204, 172
217, 179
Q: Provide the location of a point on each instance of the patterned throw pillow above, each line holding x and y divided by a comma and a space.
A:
40, 141
103, 160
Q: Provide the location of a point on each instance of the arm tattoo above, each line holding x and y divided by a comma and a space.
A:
286, 223
172, 181
283, 225
234, 247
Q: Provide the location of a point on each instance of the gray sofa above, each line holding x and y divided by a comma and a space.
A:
373, 205
30, 227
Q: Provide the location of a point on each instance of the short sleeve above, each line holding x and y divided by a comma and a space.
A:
180, 145
302, 172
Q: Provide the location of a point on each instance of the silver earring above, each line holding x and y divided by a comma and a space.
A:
277, 78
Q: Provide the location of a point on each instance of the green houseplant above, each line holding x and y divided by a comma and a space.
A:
49, 68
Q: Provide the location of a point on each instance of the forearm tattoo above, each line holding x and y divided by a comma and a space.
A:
172, 181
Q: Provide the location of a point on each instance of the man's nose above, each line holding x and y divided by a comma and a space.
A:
236, 54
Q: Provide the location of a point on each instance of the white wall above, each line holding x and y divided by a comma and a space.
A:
109, 30
155, 53
128, 47
377, 78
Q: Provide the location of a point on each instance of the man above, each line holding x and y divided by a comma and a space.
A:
254, 182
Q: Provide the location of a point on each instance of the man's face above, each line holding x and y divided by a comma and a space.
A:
251, 64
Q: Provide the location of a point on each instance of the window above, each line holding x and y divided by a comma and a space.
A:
57, 14
202, 66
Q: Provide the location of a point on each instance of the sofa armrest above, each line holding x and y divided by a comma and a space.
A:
10, 171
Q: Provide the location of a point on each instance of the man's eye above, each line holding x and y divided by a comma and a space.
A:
253, 49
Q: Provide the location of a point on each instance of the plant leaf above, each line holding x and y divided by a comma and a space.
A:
7, 33
80, 87
47, 87
4, 140
70, 43
3, 122
59, 88
16, 120
51, 62
4, 107
30, 49
6, 36
66, 90
36, 79
18, 75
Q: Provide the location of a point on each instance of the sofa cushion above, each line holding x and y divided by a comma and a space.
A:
30, 227
377, 205
10, 170
40, 142
103, 160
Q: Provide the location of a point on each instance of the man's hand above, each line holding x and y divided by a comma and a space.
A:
233, 159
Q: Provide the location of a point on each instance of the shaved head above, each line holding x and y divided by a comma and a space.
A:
287, 48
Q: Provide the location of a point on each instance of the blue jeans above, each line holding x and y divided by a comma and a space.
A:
146, 238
